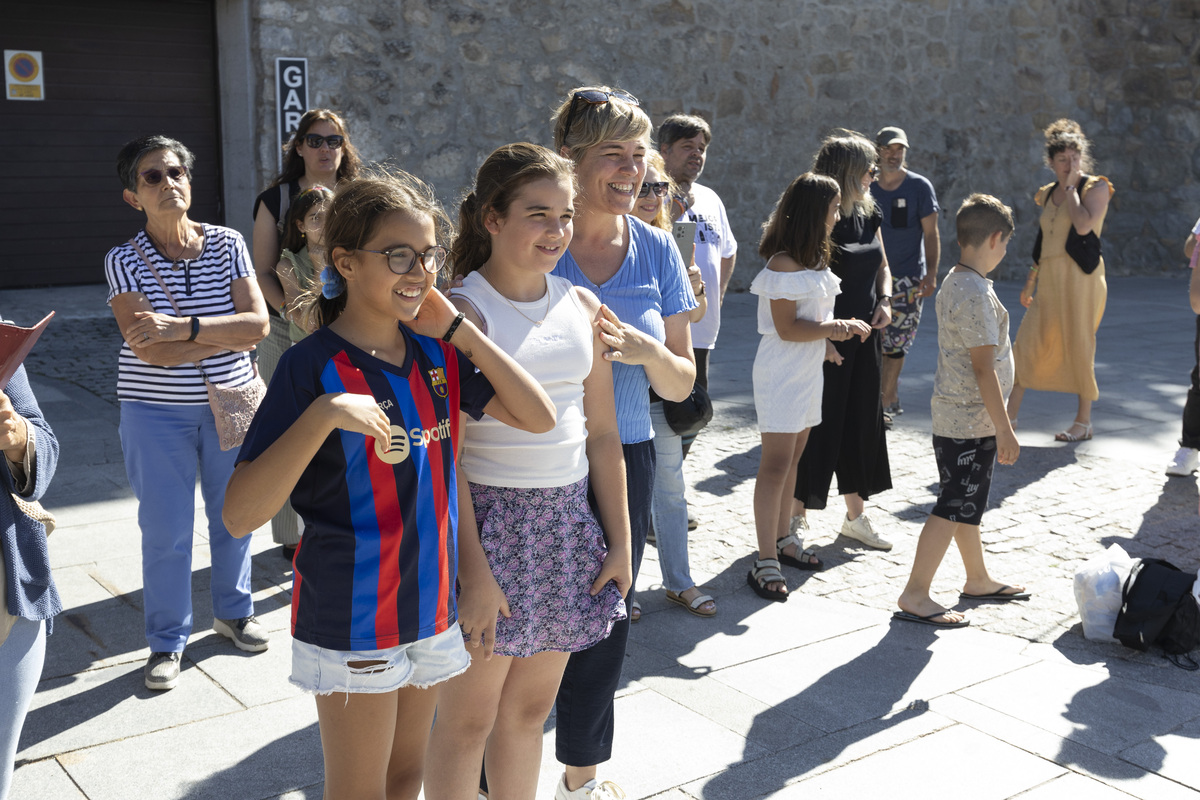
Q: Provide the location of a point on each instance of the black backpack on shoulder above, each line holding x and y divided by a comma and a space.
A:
1157, 607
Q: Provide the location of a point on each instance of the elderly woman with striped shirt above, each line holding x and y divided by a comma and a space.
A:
168, 432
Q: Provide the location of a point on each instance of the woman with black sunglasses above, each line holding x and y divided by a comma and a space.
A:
321, 153
636, 272
188, 307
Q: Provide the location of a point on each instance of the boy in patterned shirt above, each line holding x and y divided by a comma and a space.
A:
971, 430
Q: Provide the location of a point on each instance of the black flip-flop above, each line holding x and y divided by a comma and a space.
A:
929, 620
999, 596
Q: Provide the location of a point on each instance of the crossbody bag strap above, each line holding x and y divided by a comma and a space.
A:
166, 291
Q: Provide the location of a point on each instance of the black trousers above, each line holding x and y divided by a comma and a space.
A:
1191, 408
584, 726
850, 441
702, 379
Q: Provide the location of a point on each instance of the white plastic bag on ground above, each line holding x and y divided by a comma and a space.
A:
1098, 585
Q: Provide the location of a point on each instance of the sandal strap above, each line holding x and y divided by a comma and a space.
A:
700, 600
791, 538
767, 570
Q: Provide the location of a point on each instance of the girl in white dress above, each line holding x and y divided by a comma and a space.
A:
795, 317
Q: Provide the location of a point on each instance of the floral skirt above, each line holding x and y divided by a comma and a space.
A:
545, 548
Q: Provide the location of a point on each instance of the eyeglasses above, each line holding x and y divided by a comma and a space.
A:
659, 189
314, 141
874, 170
402, 259
153, 177
596, 97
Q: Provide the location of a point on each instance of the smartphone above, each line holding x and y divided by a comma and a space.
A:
685, 240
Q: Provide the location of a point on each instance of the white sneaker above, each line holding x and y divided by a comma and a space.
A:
862, 530
589, 791
1185, 462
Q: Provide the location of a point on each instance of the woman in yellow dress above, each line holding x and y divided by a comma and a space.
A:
1055, 349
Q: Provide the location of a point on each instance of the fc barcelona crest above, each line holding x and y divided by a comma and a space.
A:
437, 380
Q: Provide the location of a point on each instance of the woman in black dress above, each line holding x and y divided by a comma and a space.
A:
850, 441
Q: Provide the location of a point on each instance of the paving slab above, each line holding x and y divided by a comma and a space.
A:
764, 776
1073, 785
240, 756
864, 675
1103, 767
1174, 755
1105, 713
45, 780
104, 705
947, 763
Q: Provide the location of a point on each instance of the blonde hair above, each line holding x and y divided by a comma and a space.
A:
592, 123
979, 216
844, 156
663, 219
1065, 134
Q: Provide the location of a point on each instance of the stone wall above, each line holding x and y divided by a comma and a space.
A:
435, 86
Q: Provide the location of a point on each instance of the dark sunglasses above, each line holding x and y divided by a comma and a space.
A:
874, 170
596, 97
153, 177
333, 140
659, 189
402, 259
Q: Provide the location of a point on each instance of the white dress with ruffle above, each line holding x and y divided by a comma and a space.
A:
789, 376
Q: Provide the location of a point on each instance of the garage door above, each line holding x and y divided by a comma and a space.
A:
113, 71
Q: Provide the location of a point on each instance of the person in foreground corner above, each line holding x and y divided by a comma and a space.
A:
970, 427
28, 598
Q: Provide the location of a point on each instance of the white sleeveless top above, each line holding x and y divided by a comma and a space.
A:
558, 354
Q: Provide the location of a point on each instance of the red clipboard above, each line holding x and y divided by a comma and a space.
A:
15, 344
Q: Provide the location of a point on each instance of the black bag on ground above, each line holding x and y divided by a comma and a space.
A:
1157, 607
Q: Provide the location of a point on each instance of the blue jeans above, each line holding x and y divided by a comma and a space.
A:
164, 444
21, 658
668, 506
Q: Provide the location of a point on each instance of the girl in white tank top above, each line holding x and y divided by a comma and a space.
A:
558, 586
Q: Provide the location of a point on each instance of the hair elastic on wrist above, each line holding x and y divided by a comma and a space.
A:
453, 327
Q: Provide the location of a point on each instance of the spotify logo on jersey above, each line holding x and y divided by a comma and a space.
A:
399, 447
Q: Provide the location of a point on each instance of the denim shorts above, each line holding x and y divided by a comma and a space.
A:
422, 664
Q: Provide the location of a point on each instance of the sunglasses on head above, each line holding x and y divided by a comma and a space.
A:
314, 140
596, 97
659, 189
153, 177
402, 258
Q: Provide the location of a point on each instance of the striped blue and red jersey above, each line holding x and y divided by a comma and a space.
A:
378, 558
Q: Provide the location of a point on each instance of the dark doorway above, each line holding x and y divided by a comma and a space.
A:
113, 71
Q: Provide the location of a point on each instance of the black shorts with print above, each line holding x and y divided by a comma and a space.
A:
964, 477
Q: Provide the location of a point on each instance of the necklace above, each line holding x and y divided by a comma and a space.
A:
977, 272
536, 322
163, 250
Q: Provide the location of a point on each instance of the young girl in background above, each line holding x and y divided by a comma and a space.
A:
563, 587
361, 426
795, 317
303, 255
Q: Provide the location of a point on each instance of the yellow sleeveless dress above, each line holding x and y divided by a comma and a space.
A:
1055, 348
